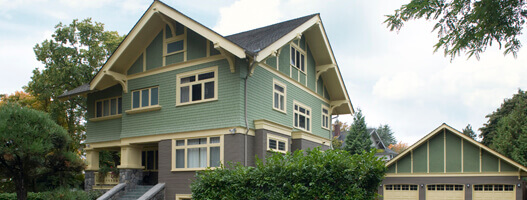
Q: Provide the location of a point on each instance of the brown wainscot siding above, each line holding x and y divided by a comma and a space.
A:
302, 144
176, 182
260, 143
234, 145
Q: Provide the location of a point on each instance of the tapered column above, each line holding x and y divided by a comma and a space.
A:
131, 170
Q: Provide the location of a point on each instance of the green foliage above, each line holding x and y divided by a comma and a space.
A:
58, 194
358, 139
467, 25
32, 145
490, 129
469, 132
71, 58
314, 174
336, 143
108, 162
386, 135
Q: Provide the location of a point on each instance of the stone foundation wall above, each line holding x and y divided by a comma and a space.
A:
89, 180
132, 178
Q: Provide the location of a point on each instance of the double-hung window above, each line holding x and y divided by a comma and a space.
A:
108, 107
279, 96
197, 86
197, 153
325, 117
298, 58
146, 97
302, 117
276, 143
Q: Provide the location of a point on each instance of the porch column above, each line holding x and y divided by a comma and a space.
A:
131, 170
92, 159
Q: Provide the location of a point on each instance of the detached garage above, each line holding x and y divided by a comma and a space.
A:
446, 164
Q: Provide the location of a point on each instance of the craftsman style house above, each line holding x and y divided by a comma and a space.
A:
177, 97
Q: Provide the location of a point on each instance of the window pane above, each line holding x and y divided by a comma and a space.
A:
302, 110
296, 107
296, 120
106, 107
184, 94
281, 102
113, 106
196, 92
307, 124
193, 141
150, 160
143, 158
281, 146
203, 157
188, 79
272, 144
307, 112
193, 157
209, 90
144, 98
99, 109
325, 111
154, 96
276, 99
119, 105
214, 140
175, 46
302, 67
279, 88
135, 99
302, 121
180, 158
215, 156
180, 142
293, 56
298, 59
205, 76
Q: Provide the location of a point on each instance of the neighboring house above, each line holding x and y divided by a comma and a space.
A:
446, 164
383, 151
177, 97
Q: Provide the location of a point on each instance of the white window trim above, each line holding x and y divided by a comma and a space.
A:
174, 38
278, 139
109, 116
208, 145
196, 72
297, 48
141, 107
325, 115
276, 82
310, 116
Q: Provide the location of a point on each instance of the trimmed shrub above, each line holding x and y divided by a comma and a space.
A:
314, 174
58, 194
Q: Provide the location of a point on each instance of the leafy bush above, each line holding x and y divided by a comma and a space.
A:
314, 174
59, 194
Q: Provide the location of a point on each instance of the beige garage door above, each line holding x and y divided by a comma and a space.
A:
445, 192
401, 191
494, 192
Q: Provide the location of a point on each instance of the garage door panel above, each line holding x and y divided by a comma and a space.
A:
494, 192
445, 192
401, 191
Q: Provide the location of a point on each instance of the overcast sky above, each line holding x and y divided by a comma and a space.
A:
395, 79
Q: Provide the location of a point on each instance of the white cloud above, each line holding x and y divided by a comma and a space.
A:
244, 15
403, 85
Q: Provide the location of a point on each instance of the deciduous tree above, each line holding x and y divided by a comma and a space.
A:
468, 26
399, 147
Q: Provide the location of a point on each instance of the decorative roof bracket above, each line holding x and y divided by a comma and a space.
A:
334, 104
121, 78
323, 68
227, 55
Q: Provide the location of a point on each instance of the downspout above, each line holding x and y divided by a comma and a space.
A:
252, 64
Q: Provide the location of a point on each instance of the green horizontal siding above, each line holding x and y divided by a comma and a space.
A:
154, 52
106, 130
224, 112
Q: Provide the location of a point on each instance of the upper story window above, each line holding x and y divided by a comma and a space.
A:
174, 43
145, 97
276, 143
108, 107
197, 153
298, 58
325, 117
197, 86
302, 117
279, 96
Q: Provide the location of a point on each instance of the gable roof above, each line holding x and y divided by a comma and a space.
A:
260, 38
376, 139
257, 44
459, 134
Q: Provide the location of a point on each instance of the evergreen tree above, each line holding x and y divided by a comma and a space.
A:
469, 132
386, 134
358, 139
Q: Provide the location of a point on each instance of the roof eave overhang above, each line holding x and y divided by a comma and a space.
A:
157, 8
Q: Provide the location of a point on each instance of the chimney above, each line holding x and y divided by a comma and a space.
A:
336, 129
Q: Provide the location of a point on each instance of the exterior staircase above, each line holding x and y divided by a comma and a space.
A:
136, 193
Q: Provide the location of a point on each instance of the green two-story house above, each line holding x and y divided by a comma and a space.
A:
177, 97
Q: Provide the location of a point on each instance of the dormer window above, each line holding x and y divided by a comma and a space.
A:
298, 58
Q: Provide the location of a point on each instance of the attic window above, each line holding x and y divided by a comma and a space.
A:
175, 47
298, 58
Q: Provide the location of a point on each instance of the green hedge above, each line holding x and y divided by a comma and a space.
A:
58, 194
333, 174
